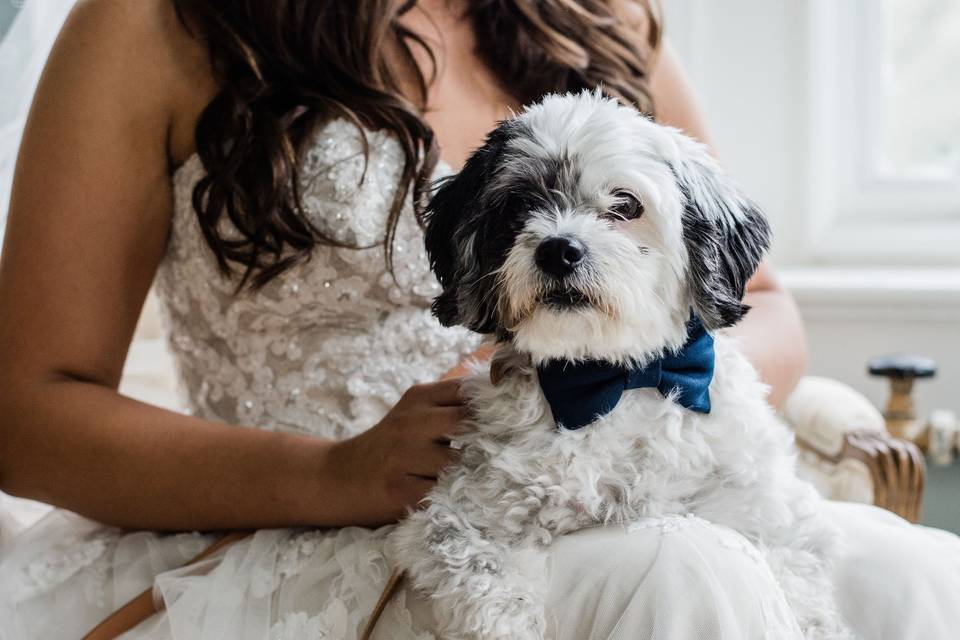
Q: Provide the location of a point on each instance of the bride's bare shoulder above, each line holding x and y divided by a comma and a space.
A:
143, 50
145, 31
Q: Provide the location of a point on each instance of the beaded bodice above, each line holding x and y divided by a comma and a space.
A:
330, 345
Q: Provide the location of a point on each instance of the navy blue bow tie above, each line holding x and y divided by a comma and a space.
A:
581, 392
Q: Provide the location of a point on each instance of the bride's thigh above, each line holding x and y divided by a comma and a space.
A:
665, 579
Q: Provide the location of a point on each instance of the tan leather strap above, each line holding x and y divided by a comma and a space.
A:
393, 583
142, 607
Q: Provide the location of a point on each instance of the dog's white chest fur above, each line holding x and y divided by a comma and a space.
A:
649, 456
477, 547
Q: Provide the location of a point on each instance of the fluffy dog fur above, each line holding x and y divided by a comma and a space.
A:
577, 166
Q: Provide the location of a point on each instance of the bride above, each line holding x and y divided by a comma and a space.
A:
256, 161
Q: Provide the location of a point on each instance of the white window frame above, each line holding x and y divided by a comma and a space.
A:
858, 211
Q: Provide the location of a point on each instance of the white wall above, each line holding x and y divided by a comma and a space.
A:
753, 102
748, 60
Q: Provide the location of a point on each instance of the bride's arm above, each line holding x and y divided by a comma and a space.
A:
89, 218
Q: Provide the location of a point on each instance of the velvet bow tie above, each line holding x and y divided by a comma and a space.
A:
580, 392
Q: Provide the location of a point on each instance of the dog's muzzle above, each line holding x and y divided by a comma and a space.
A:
559, 256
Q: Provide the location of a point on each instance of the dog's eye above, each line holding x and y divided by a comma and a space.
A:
627, 206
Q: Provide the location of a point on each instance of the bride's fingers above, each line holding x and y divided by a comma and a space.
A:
428, 462
444, 455
444, 393
417, 487
446, 423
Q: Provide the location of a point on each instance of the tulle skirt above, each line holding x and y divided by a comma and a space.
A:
671, 578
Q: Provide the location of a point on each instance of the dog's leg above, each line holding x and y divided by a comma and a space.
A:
480, 588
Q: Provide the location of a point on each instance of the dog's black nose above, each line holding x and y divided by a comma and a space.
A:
559, 256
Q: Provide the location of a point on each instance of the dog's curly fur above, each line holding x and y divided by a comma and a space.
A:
560, 168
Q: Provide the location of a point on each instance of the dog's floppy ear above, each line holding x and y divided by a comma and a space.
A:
443, 212
725, 235
451, 218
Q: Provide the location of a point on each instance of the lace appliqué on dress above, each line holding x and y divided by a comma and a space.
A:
667, 524
65, 560
329, 625
726, 536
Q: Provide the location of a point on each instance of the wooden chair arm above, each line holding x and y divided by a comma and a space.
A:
896, 467
837, 424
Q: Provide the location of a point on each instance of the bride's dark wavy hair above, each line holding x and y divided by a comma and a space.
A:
285, 67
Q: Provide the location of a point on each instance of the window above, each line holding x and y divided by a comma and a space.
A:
919, 96
884, 156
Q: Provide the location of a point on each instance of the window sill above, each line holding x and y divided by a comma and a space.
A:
931, 294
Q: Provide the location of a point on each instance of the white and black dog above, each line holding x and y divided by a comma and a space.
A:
602, 251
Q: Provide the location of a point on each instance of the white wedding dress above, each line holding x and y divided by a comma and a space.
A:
326, 349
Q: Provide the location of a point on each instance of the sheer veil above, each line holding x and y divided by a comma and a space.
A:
23, 52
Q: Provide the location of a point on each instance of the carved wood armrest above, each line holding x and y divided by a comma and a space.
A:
897, 469
840, 428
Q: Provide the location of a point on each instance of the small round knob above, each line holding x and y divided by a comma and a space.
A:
900, 413
903, 366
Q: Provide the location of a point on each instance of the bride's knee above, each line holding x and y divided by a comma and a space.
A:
678, 572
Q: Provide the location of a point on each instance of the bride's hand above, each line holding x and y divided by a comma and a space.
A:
391, 467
